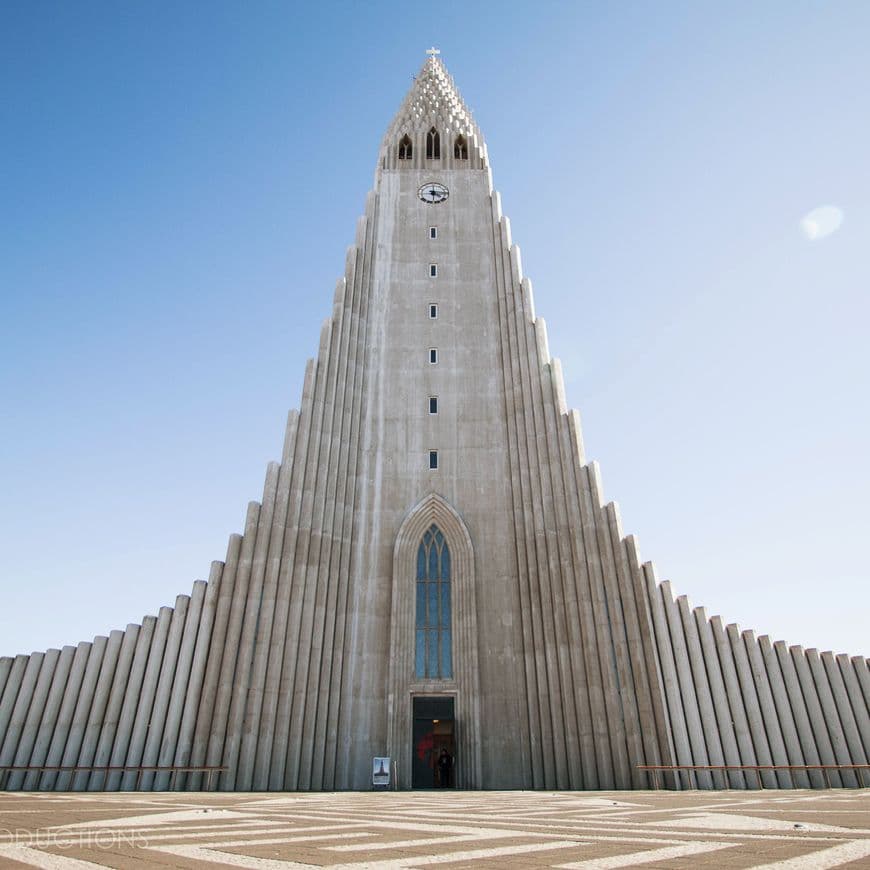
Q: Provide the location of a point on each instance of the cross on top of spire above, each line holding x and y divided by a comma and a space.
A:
433, 102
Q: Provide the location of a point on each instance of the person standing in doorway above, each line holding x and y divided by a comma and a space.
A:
445, 763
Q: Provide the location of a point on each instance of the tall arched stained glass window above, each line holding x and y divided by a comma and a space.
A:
433, 625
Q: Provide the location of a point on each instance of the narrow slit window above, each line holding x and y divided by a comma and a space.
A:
433, 404
433, 310
433, 355
433, 459
433, 232
433, 270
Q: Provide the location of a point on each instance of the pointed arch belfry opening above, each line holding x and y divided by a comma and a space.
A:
406, 148
445, 623
460, 148
433, 145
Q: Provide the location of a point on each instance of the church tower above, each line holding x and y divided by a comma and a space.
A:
431, 567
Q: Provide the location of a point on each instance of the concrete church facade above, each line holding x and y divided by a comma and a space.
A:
431, 565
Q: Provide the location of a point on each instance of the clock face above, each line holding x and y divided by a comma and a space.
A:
432, 191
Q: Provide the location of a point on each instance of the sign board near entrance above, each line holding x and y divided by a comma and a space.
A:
381, 772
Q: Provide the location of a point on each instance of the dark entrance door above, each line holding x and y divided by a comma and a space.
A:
433, 732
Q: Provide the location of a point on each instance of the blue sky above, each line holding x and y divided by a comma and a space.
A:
178, 185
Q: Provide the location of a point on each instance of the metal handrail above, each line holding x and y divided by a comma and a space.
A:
172, 770
656, 769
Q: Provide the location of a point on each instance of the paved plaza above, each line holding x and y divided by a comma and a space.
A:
800, 830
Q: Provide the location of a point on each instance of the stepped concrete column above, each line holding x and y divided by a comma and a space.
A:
117, 693
65, 715
82, 711
34, 717
799, 712
132, 692
49, 716
97, 714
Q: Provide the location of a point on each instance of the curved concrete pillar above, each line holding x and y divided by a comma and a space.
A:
97, 715
751, 704
832, 717
82, 711
163, 691
821, 735
65, 715
181, 680
800, 713
736, 703
35, 713
132, 691
49, 716
115, 701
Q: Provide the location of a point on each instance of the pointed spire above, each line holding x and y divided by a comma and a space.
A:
434, 101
